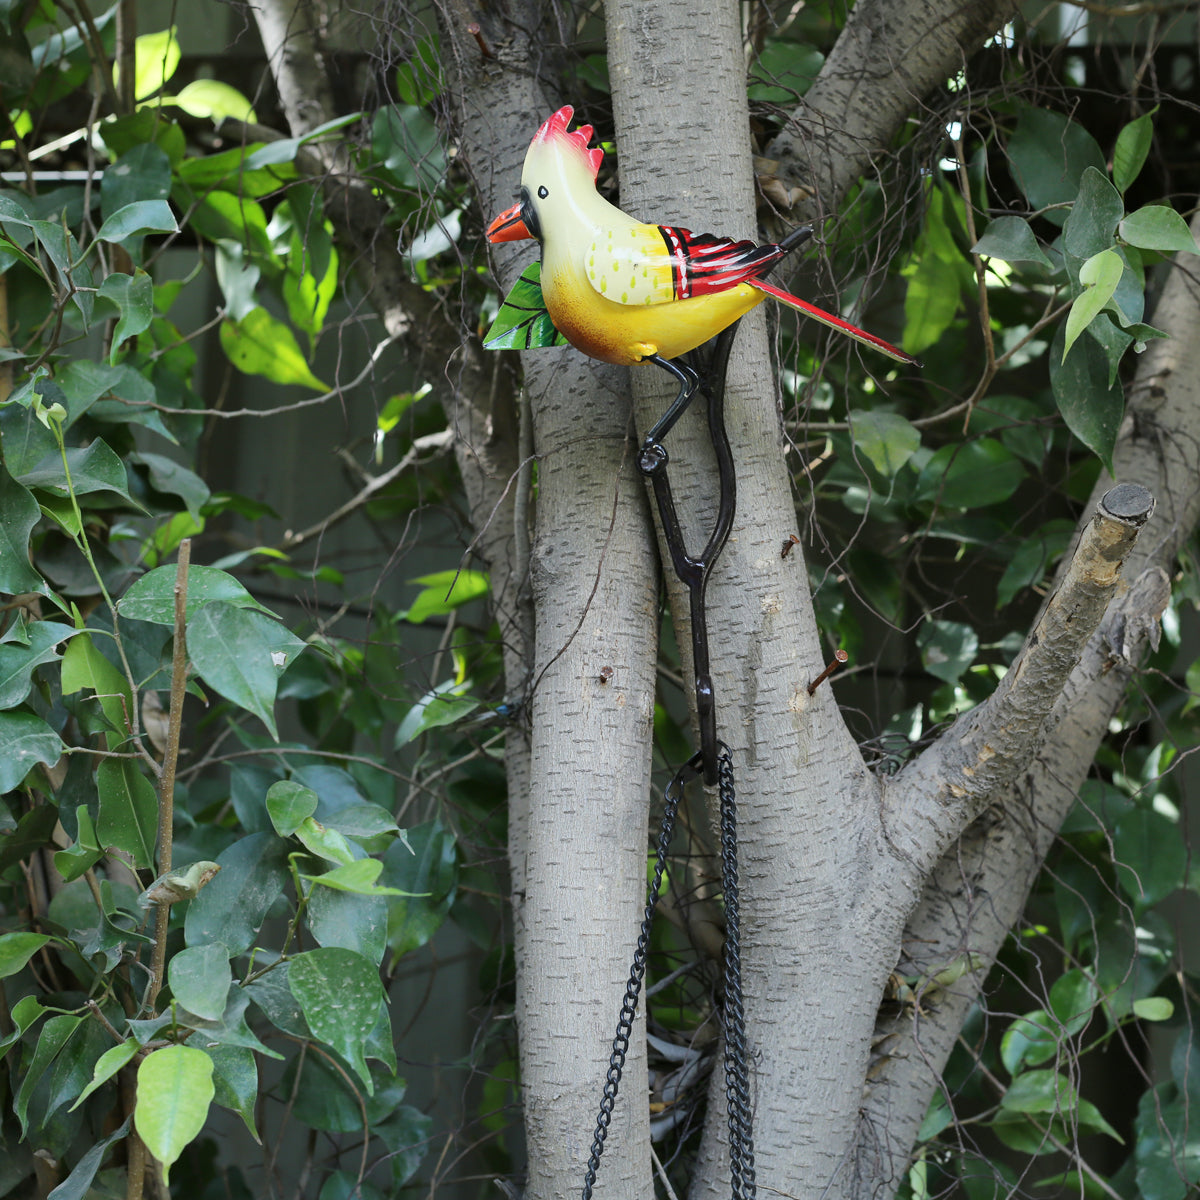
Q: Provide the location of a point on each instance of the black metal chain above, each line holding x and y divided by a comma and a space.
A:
620, 1048
714, 762
737, 1073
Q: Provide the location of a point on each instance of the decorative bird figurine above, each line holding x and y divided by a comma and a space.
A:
622, 291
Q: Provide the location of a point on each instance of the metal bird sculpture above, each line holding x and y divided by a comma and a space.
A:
623, 291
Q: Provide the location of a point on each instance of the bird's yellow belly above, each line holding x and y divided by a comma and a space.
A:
627, 333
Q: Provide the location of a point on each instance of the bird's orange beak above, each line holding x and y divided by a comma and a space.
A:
509, 226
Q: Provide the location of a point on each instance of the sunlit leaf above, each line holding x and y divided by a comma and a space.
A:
216, 99
259, 344
174, 1090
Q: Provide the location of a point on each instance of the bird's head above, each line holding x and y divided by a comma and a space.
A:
557, 182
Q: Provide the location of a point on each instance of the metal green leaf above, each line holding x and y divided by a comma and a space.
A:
523, 322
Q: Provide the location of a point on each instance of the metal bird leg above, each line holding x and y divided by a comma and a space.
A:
694, 571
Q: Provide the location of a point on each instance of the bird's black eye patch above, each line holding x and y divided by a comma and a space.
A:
542, 192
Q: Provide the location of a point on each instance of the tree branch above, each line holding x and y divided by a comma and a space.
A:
934, 797
887, 59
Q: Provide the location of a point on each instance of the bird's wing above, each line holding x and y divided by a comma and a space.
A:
656, 264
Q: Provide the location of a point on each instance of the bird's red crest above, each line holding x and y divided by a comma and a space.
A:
554, 128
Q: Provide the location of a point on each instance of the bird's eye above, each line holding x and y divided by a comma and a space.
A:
542, 192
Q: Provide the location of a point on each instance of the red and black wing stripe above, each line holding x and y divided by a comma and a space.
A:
702, 263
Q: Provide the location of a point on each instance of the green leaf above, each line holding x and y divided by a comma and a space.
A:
107, 1065
1150, 856
887, 439
24, 1014
19, 513
18, 662
1094, 216
1031, 1039
16, 949
134, 296
324, 842
1100, 275
1012, 240
1090, 1117
84, 853
358, 876
407, 1135
156, 59
1156, 227
355, 918
174, 1090
444, 591
1166, 1149
948, 648
141, 173
152, 597
142, 216
171, 478
1040, 1092
213, 98
77, 1185
222, 216
1073, 1000
1091, 406
232, 908
289, 805
235, 1080
935, 275
83, 666
1154, 1008
200, 977
25, 741
241, 654
34, 831
1033, 558
341, 996
441, 706
259, 344
94, 468
523, 322
970, 475
1129, 153
128, 817
428, 871
55, 1034
1049, 154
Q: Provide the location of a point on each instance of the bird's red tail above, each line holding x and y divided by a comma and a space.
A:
819, 314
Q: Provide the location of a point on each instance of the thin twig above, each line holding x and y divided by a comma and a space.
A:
166, 783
